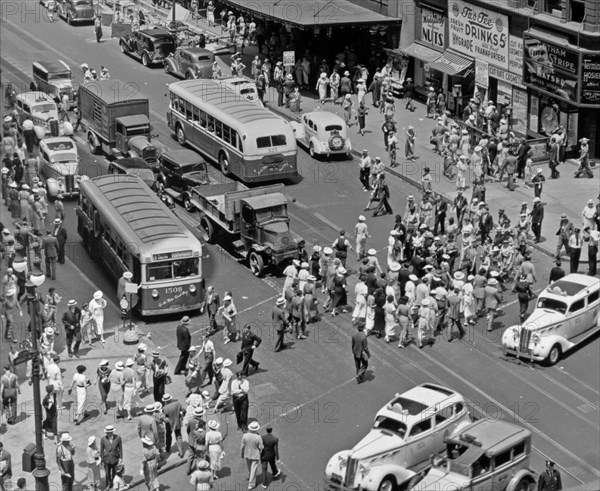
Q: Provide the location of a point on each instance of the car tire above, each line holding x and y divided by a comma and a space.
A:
69, 19
554, 355
167, 70
311, 150
256, 263
224, 165
524, 484
145, 59
388, 484
181, 139
207, 229
123, 47
188, 205
188, 76
33, 87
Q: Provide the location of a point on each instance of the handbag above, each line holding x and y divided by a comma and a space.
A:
168, 379
239, 357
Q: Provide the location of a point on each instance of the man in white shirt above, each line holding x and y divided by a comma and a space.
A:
575, 243
225, 387
365, 170
592, 237
55, 379
240, 388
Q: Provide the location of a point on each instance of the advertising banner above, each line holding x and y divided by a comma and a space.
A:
481, 73
289, 58
590, 79
519, 113
515, 55
478, 33
508, 77
433, 28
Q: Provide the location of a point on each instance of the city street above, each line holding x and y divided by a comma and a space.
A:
309, 392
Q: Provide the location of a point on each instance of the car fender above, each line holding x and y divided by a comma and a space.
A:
132, 154
192, 73
298, 129
377, 473
523, 473
318, 145
333, 465
54, 186
508, 335
40, 131
545, 345
171, 64
125, 42
138, 143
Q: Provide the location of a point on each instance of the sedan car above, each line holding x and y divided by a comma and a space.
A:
323, 133
150, 46
567, 313
244, 87
59, 165
134, 166
405, 433
190, 63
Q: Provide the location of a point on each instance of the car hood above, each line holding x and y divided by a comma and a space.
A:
46, 116
139, 142
542, 318
374, 443
198, 177
62, 83
440, 479
66, 167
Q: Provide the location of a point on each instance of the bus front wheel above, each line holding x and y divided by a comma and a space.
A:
224, 163
257, 264
180, 135
207, 230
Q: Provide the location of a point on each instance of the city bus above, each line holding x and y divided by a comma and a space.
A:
247, 141
126, 227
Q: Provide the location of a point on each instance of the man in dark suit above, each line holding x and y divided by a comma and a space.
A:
486, 224
111, 453
279, 319
360, 350
537, 217
212, 303
184, 341
550, 480
60, 233
51, 247
250, 341
71, 320
269, 455
172, 411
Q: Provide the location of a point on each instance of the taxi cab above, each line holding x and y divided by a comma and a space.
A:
39, 107
323, 133
567, 313
405, 433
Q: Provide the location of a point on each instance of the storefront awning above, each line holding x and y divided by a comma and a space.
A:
451, 63
421, 52
324, 13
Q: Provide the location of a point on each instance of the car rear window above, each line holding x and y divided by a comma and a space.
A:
333, 127
270, 141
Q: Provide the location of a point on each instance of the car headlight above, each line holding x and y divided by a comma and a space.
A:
363, 469
268, 251
342, 460
535, 338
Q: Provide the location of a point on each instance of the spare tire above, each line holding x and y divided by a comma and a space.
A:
336, 143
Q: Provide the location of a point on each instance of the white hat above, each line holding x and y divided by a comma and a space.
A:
91, 440
199, 411
119, 365
459, 276
280, 301
129, 362
103, 363
425, 302
361, 218
372, 252
109, 429
147, 441
327, 251
323, 75
440, 292
413, 277
295, 262
219, 361
149, 409
254, 426
394, 232
492, 281
227, 362
428, 266
348, 96
127, 275
226, 297
71, 303
167, 397
317, 248
142, 347
394, 266
193, 348
213, 425
98, 295
304, 265
311, 278
477, 148
342, 270
65, 437
470, 277
49, 331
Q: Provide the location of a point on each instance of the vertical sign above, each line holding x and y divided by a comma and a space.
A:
515, 54
433, 28
533, 113
481, 73
590, 79
519, 112
289, 58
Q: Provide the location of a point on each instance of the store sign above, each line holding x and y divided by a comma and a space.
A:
481, 73
508, 77
479, 33
515, 55
504, 94
551, 68
289, 58
590, 79
433, 28
519, 112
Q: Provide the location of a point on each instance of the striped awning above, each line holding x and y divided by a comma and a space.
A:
451, 63
421, 52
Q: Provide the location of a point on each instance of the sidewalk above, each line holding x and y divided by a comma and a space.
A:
564, 195
71, 283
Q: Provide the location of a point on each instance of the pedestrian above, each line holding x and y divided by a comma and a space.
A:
60, 232
322, 84
341, 246
229, 312
584, 160
161, 430
50, 424
173, 412
454, 301
510, 165
240, 388
556, 273
224, 390
364, 172
64, 459
389, 310
250, 341
279, 319
208, 350
383, 194
589, 215
426, 181
360, 351
111, 453
592, 237
409, 146
409, 94
524, 294
117, 385
129, 387
537, 217
347, 106
160, 374
5, 468
150, 462
93, 462
492, 299
251, 450
575, 244
361, 116
147, 426
81, 384
118, 483
214, 440
202, 478
141, 370
538, 183
362, 234
550, 479
71, 320
10, 390
184, 340
98, 28
564, 232
96, 307
103, 380
10, 306
269, 455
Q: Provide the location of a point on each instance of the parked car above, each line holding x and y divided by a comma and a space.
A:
487, 454
323, 133
135, 166
150, 46
244, 87
567, 312
55, 79
40, 108
405, 433
181, 170
59, 165
190, 63
76, 10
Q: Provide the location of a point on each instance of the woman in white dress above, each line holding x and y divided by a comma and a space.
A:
96, 308
214, 439
360, 304
469, 303
81, 383
389, 310
229, 317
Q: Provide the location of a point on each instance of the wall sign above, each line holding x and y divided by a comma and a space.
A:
433, 28
508, 77
481, 73
519, 112
515, 55
479, 33
590, 79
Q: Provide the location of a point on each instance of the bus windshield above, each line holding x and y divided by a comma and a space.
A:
168, 270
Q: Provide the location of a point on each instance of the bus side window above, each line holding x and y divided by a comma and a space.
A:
203, 119
195, 114
210, 123
218, 129
240, 145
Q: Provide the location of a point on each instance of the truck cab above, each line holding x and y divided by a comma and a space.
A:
134, 138
265, 231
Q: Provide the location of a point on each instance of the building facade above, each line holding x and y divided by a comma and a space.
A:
538, 58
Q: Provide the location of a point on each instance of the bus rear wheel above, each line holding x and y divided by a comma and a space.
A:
257, 264
207, 230
224, 164
181, 136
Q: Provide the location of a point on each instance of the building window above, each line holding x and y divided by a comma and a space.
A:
550, 5
577, 11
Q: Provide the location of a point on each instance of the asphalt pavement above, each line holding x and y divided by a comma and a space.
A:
308, 391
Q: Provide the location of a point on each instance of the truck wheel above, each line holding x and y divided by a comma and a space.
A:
388, 484
554, 355
187, 204
145, 59
257, 264
224, 163
181, 135
207, 230
94, 149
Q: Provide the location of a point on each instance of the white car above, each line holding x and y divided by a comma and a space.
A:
405, 433
40, 108
567, 313
59, 165
243, 87
323, 133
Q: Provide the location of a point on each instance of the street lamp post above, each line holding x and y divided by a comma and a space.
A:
40, 473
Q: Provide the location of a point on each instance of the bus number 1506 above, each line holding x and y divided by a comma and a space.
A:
173, 289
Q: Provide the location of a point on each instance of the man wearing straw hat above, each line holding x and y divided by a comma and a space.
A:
111, 453
184, 341
64, 460
279, 319
251, 449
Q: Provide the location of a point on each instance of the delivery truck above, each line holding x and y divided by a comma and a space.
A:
115, 118
256, 218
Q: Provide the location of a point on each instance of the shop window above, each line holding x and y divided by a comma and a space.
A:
577, 11
550, 5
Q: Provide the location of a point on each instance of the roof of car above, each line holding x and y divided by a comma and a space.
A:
324, 117
156, 33
428, 394
236, 80
132, 163
572, 284
197, 51
32, 97
52, 66
56, 139
183, 156
494, 435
